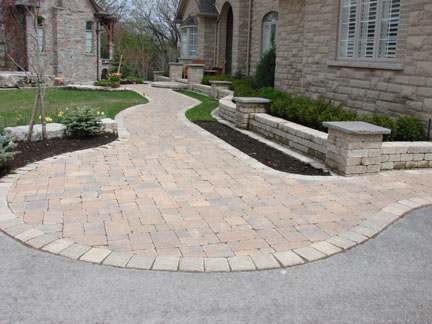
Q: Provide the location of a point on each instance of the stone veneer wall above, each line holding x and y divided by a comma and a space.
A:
65, 46
307, 43
406, 155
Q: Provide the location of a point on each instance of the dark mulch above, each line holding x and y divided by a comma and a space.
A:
37, 151
265, 154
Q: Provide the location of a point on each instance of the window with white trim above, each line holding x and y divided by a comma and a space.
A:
89, 37
189, 41
369, 29
40, 34
269, 31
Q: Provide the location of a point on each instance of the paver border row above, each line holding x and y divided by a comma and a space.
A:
34, 238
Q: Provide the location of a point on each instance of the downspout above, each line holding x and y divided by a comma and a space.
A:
249, 41
97, 50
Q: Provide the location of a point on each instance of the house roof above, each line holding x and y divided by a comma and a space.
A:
205, 7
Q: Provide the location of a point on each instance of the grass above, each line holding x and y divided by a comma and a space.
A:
16, 105
203, 111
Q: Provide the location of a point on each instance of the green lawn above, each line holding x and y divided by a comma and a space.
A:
203, 111
16, 105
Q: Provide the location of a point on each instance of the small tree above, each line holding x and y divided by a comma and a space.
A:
265, 72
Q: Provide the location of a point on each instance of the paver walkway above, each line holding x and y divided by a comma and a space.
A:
174, 192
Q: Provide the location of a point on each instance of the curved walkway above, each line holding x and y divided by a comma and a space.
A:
173, 197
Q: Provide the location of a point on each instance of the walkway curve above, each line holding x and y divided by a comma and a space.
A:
170, 196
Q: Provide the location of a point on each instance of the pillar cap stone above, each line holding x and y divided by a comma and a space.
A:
216, 82
357, 127
251, 100
175, 63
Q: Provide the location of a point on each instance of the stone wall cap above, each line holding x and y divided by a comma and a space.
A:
175, 63
251, 100
196, 65
220, 82
357, 127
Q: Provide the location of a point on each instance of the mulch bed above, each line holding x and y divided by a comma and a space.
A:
37, 151
265, 154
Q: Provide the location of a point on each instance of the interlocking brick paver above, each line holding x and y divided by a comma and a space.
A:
241, 263
95, 255
141, 262
172, 190
191, 264
57, 246
309, 253
288, 258
166, 263
216, 265
265, 261
75, 251
118, 259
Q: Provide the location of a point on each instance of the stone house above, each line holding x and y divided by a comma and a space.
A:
370, 55
68, 37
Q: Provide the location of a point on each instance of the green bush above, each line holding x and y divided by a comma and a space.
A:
409, 129
244, 88
82, 122
313, 113
265, 72
7, 150
132, 80
103, 83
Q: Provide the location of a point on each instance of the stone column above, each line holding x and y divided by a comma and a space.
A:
246, 106
354, 148
219, 85
175, 71
195, 73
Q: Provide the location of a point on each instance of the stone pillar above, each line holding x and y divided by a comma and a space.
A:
354, 148
195, 73
246, 106
175, 71
219, 85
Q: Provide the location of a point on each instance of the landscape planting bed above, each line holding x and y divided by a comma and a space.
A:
265, 154
37, 151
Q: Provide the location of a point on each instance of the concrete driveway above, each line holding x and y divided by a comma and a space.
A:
386, 280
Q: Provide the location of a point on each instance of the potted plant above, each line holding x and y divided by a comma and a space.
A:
115, 80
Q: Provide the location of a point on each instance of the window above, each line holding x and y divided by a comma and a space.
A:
369, 29
2, 54
189, 41
269, 31
40, 34
89, 37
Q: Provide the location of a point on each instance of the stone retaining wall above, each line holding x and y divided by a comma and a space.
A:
392, 156
298, 137
406, 155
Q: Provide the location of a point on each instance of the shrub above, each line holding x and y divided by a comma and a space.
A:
103, 83
132, 80
7, 150
409, 129
244, 88
82, 122
265, 72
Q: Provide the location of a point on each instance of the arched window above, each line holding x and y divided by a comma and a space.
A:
269, 31
40, 34
89, 37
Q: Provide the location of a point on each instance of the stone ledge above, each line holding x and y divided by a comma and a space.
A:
251, 100
220, 83
358, 128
